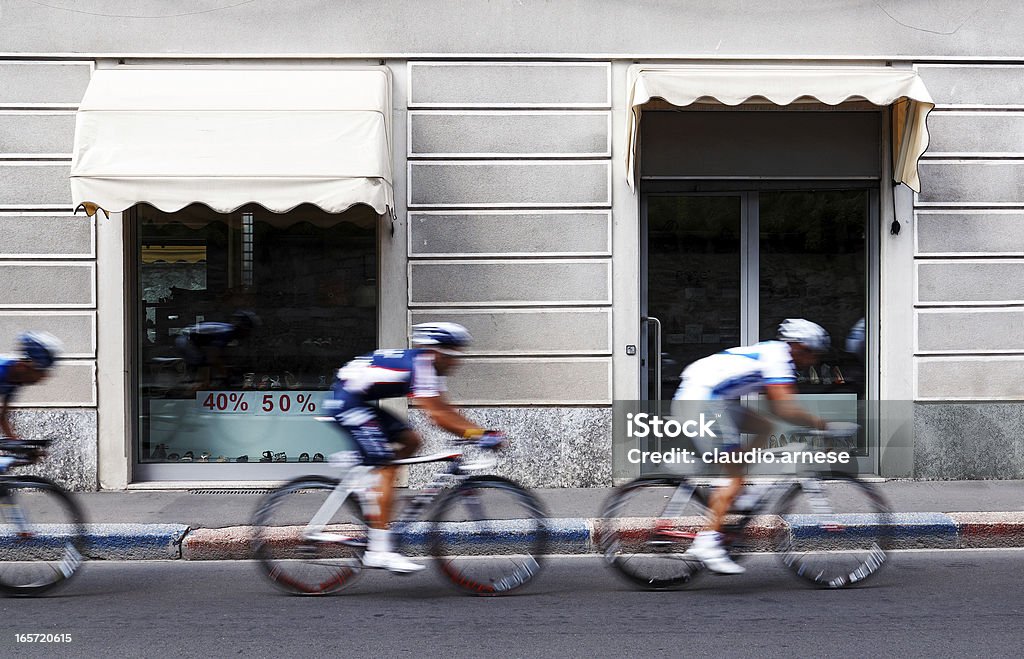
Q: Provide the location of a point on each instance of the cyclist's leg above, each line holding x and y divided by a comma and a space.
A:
396, 432
747, 422
366, 424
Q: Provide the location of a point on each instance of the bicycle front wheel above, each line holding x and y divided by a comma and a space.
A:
293, 559
646, 528
489, 535
42, 536
837, 532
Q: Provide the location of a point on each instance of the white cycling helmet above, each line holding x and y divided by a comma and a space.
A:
441, 336
798, 330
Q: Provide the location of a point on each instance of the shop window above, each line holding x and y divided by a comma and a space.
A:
210, 387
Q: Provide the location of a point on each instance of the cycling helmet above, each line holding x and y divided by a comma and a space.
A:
798, 330
441, 335
40, 348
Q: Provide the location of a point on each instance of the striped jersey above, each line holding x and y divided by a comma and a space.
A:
392, 374
738, 371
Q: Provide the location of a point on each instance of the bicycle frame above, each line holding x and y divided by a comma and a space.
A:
355, 480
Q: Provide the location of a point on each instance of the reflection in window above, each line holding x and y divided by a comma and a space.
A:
310, 280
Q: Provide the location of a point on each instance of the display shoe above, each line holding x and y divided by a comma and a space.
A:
275, 381
173, 457
267, 457
221, 458
280, 457
837, 376
318, 457
242, 458
304, 457
782, 440
291, 381
188, 457
323, 381
248, 380
826, 374
773, 442
204, 457
160, 452
812, 376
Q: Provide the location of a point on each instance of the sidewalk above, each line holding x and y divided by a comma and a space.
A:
180, 524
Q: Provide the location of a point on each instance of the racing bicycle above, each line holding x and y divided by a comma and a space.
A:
488, 534
42, 530
830, 528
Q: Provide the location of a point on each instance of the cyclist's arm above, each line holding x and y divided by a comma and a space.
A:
783, 402
443, 414
5, 423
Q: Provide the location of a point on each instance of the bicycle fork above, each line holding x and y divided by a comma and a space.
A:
820, 505
14, 515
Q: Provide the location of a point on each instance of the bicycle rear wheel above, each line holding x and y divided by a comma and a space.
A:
42, 536
489, 535
295, 563
646, 528
837, 532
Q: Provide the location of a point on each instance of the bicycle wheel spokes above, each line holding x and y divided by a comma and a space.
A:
489, 535
42, 538
308, 561
646, 529
836, 532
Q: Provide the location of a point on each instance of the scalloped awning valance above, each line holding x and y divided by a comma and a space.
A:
229, 137
680, 86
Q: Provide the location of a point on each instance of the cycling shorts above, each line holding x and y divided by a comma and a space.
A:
371, 428
732, 417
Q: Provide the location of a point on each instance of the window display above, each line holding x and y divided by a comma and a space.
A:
243, 319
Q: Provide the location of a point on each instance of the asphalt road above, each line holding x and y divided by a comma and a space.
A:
926, 603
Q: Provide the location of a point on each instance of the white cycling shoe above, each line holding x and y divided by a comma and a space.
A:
380, 554
391, 561
707, 548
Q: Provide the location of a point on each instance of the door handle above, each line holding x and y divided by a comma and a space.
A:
651, 320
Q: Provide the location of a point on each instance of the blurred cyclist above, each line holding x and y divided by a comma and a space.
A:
39, 351
202, 346
770, 368
419, 374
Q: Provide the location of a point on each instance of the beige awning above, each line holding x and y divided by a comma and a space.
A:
681, 86
228, 137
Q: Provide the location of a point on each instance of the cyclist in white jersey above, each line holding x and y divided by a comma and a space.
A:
770, 368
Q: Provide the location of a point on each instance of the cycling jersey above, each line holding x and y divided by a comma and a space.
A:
216, 335
732, 373
382, 374
391, 374
7, 388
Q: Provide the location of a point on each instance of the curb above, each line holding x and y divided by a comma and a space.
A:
135, 542
566, 536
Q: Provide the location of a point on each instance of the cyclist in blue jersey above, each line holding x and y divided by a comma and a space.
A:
770, 368
202, 345
417, 373
39, 351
